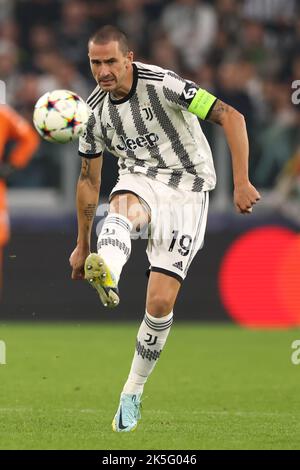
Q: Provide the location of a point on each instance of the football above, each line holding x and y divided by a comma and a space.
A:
60, 116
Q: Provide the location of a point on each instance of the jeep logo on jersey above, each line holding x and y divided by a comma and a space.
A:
189, 92
146, 140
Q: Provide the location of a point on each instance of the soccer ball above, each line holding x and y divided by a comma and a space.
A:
60, 116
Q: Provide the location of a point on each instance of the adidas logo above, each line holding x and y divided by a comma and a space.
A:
108, 126
178, 265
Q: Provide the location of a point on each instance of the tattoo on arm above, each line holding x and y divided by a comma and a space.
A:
85, 168
218, 112
89, 211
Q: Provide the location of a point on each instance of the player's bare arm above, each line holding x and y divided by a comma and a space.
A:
233, 123
88, 188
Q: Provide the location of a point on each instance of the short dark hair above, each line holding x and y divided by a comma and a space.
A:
110, 33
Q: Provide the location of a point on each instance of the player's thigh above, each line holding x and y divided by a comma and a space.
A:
162, 292
178, 234
129, 205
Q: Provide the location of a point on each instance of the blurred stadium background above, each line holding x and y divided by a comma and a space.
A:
244, 51
61, 383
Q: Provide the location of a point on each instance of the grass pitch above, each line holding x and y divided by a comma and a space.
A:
215, 387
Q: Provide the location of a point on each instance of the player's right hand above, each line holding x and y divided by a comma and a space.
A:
245, 197
77, 259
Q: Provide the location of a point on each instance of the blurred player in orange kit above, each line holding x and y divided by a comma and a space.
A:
13, 128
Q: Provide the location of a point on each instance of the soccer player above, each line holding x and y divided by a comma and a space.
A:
148, 118
13, 128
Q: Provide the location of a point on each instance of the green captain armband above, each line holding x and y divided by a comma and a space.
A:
202, 103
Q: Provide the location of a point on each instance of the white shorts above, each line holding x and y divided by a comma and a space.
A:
177, 222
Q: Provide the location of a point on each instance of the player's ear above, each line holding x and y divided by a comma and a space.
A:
129, 56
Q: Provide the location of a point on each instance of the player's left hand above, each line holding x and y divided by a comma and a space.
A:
245, 196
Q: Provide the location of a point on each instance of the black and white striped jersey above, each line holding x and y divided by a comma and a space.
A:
151, 130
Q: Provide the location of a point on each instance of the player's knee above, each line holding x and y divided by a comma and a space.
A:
130, 207
159, 305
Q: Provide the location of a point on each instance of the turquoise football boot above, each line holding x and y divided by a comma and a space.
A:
128, 413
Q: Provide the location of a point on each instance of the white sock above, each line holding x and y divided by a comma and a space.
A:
114, 243
150, 341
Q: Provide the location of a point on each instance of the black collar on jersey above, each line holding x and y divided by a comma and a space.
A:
132, 90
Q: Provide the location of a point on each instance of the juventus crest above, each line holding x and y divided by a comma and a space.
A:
148, 112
